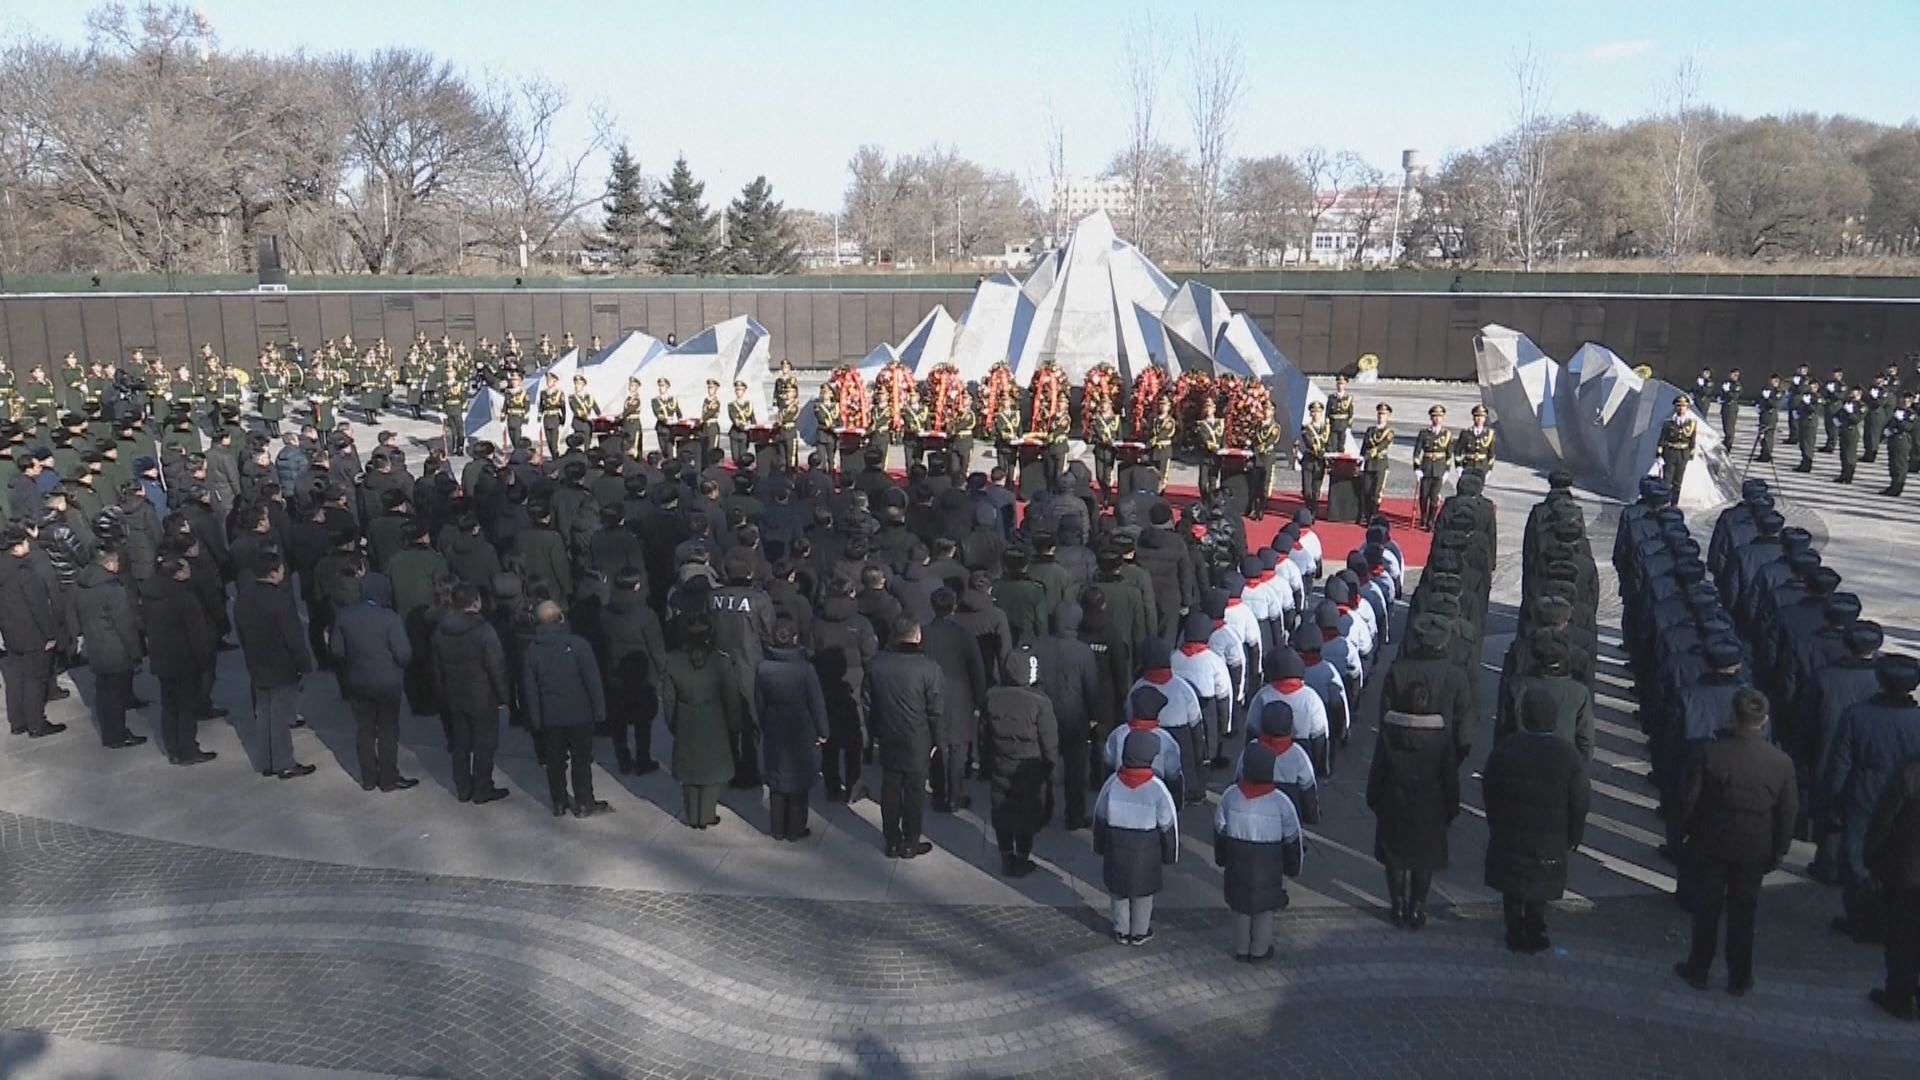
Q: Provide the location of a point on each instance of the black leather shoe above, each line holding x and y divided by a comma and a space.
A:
914, 851
559, 809
58, 693
129, 741
45, 730
367, 785
1687, 975
295, 771
1888, 1005
198, 757
400, 783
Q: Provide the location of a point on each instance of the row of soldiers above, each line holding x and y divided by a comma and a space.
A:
1851, 419
1757, 618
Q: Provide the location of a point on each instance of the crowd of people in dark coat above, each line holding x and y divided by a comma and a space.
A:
1771, 715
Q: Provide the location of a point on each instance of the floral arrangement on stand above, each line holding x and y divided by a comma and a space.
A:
945, 394
1147, 388
1248, 406
892, 389
1101, 384
1049, 396
1367, 368
852, 396
1000, 389
1189, 391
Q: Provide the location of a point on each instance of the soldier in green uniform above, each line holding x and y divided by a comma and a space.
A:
1768, 407
1311, 448
322, 388
413, 381
1879, 402
1339, 415
826, 418
9, 397
1160, 439
1851, 414
1266, 445
1006, 434
1804, 408
270, 392
553, 413
376, 383
73, 383
1210, 435
1433, 453
633, 418
1729, 397
452, 396
740, 417
1374, 461
961, 423
1677, 437
581, 409
786, 433
515, 408
786, 385
1833, 393
1899, 435
39, 400
1103, 431
666, 412
710, 409
1474, 446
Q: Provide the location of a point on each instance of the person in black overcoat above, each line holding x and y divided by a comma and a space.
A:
1023, 743
1537, 792
1893, 854
964, 674
1413, 788
793, 727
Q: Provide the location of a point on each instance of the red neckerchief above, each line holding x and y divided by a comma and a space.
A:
1134, 776
1328, 634
1377, 571
1347, 608
1265, 576
1251, 790
1289, 685
1311, 657
1297, 547
1279, 744
1233, 601
1159, 676
1193, 648
1143, 723
1219, 623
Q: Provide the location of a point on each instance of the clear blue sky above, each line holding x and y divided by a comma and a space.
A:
792, 88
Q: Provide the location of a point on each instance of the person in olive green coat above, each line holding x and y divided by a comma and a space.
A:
544, 553
1022, 599
701, 704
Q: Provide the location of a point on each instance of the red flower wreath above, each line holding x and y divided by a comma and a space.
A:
852, 396
1000, 389
892, 389
1147, 388
1102, 384
1049, 396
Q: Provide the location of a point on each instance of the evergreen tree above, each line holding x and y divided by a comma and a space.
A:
624, 232
689, 246
760, 239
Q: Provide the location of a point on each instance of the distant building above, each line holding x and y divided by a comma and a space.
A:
1018, 255
1082, 195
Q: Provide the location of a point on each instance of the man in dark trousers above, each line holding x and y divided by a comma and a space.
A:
371, 653
565, 702
964, 680
28, 629
1893, 851
115, 647
1736, 812
904, 687
275, 646
470, 667
180, 656
1070, 677
742, 628
843, 645
635, 647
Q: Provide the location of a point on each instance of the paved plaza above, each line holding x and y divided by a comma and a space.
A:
159, 922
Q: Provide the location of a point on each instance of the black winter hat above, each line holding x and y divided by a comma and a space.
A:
1276, 720
1145, 704
1139, 749
1256, 762
1898, 673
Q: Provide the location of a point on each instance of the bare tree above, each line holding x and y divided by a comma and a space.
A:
1682, 144
1219, 79
1367, 198
1144, 57
1321, 172
1536, 207
516, 210
1056, 171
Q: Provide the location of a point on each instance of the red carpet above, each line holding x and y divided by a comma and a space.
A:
1336, 537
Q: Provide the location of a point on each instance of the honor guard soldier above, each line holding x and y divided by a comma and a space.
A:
38, 399
710, 409
1800, 380
666, 413
826, 422
516, 407
633, 418
73, 383
961, 424
786, 427
553, 412
915, 424
1899, 435
1803, 412
1058, 433
1729, 397
1312, 452
1433, 453
1879, 402
1768, 407
1211, 435
1006, 432
453, 394
1339, 415
786, 385
1266, 445
1847, 420
1160, 439
1677, 437
581, 409
1704, 390
740, 417
413, 381
1103, 431
270, 393
321, 390
1374, 462
1474, 446
1833, 393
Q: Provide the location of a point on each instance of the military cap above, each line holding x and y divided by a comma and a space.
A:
1431, 632
1701, 592
1682, 399
1723, 653
1125, 542
1864, 636
1689, 571
1793, 536
1752, 485
1552, 610
1550, 650
1823, 581
1446, 562
1842, 608
1769, 521
1897, 672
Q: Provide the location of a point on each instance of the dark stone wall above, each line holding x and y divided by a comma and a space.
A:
1427, 335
